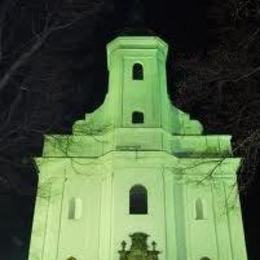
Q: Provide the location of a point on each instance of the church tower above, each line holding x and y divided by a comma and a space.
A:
137, 179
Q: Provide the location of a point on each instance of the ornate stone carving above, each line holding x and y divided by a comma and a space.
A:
71, 258
139, 249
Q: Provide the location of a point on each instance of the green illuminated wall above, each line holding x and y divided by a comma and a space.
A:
82, 206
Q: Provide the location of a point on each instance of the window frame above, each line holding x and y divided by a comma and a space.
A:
143, 198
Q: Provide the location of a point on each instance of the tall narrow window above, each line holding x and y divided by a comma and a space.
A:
138, 203
199, 210
138, 72
138, 117
75, 208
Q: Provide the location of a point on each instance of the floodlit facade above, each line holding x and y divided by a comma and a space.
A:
137, 179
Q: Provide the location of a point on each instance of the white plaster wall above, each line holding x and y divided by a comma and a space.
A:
79, 237
103, 187
123, 223
201, 233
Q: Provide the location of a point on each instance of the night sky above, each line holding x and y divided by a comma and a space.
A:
212, 46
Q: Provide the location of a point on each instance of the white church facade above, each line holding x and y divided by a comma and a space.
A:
137, 179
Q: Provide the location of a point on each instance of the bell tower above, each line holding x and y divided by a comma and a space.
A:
137, 93
137, 179
137, 81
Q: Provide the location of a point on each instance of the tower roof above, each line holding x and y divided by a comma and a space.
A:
136, 42
135, 22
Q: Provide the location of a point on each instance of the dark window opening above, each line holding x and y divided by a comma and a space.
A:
205, 258
138, 200
72, 208
138, 72
137, 117
199, 209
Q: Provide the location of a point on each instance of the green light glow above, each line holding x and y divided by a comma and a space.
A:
137, 137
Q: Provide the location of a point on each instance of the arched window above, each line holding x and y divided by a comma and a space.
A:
138, 72
199, 210
205, 258
138, 200
137, 117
